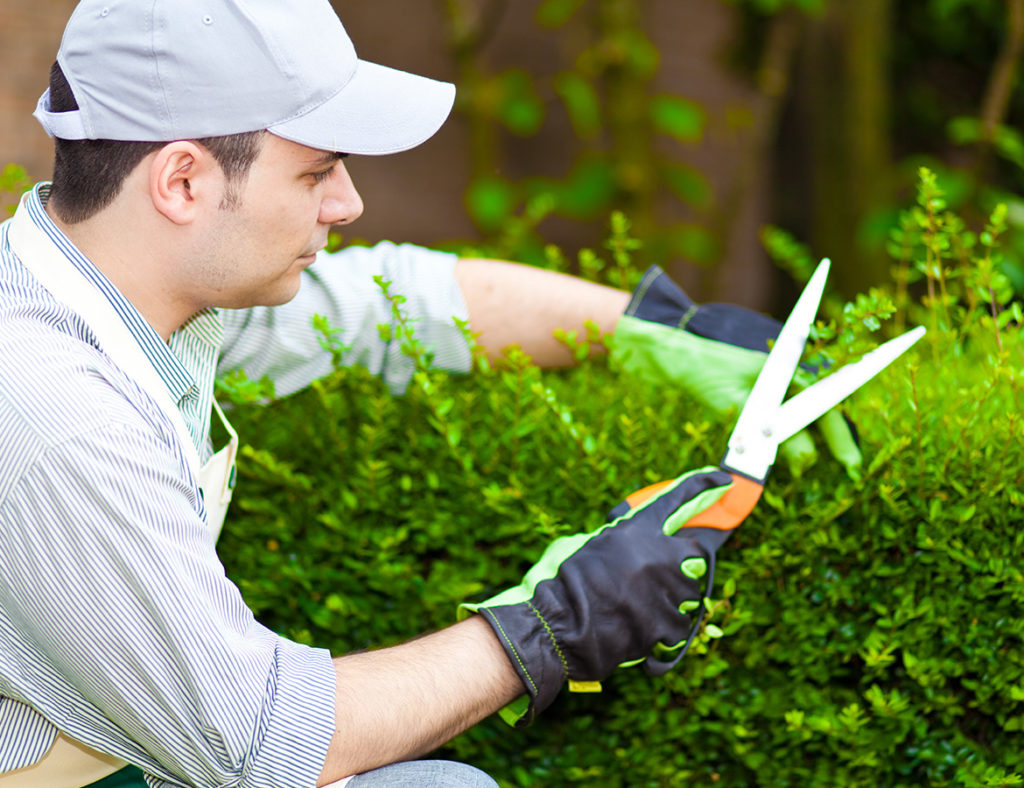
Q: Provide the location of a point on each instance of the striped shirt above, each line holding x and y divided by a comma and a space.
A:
118, 626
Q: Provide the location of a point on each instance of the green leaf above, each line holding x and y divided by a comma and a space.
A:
581, 102
794, 719
14, 179
490, 201
555, 13
688, 184
586, 192
678, 117
639, 54
519, 106
690, 241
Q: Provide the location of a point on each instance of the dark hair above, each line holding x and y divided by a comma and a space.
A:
89, 174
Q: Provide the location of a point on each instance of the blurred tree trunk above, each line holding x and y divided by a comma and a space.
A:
743, 205
847, 114
996, 102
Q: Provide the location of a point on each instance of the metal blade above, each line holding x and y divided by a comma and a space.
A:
777, 373
752, 447
824, 395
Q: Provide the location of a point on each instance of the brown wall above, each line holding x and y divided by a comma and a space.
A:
30, 32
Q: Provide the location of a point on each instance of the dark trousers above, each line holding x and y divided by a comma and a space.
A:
128, 777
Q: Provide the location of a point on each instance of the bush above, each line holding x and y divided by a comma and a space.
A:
870, 630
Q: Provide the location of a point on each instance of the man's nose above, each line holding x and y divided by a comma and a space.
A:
341, 203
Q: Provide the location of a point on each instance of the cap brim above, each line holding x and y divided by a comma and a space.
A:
381, 110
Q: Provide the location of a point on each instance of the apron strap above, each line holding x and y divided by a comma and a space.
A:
68, 285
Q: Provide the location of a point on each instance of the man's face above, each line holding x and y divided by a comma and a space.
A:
254, 252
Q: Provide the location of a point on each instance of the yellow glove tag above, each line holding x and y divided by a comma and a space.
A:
584, 686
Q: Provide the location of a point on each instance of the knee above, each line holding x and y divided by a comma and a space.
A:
424, 774
461, 775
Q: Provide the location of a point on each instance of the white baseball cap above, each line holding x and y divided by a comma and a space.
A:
163, 70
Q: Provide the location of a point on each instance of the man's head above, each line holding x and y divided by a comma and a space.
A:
220, 72
173, 111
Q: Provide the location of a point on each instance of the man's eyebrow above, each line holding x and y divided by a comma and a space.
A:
327, 157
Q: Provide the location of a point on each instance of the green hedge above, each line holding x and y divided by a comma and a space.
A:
872, 628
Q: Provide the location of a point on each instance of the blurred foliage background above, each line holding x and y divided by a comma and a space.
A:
824, 111
702, 120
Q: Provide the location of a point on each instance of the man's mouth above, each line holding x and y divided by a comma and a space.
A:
317, 249
312, 255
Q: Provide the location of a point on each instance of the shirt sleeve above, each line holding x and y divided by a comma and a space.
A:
281, 343
119, 625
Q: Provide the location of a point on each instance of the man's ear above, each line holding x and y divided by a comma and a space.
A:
184, 179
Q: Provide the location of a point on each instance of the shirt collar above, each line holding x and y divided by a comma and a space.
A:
205, 327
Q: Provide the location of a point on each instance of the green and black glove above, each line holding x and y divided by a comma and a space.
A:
601, 600
715, 352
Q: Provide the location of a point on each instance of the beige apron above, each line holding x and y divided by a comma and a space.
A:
69, 764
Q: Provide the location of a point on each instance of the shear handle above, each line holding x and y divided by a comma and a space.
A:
725, 514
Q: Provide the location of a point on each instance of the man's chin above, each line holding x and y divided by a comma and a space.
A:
283, 292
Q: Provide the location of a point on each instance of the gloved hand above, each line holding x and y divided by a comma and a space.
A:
715, 352
596, 601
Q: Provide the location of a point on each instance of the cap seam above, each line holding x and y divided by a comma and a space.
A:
309, 108
270, 38
157, 76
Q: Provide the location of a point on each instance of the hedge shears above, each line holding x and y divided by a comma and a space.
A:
763, 424
766, 421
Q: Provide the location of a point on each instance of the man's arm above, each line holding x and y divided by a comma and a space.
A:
516, 304
506, 303
401, 702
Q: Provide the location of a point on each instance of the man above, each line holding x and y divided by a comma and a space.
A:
198, 169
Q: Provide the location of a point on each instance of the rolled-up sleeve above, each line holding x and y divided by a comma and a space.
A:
119, 626
280, 341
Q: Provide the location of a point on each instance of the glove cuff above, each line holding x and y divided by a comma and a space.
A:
657, 299
534, 653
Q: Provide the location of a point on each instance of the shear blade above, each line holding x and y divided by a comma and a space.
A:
765, 421
778, 370
815, 401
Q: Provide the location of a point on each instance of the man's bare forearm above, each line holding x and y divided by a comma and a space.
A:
399, 703
515, 304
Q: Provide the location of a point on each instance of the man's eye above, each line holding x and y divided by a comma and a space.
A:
323, 175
